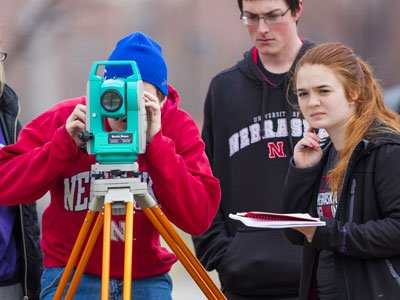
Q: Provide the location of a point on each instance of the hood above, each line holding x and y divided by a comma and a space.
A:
171, 105
248, 65
383, 137
249, 68
372, 142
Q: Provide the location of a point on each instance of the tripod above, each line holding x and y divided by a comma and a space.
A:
118, 195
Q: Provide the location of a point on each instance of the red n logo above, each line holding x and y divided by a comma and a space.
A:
276, 150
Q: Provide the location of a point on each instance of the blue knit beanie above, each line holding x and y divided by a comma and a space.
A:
148, 55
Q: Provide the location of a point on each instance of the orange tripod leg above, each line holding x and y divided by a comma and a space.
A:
105, 275
178, 246
182, 245
127, 291
74, 254
85, 257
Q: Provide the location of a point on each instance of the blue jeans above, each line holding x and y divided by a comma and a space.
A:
153, 288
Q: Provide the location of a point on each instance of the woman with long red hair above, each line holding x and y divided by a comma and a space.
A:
352, 182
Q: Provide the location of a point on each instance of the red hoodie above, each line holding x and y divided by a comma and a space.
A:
45, 158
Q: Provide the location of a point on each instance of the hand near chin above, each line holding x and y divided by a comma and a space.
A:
307, 152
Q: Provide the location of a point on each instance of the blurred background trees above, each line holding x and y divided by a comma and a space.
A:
52, 43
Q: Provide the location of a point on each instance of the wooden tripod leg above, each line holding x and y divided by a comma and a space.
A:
105, 275
85, 257
189, 261
178, 252
74, 254
127, 291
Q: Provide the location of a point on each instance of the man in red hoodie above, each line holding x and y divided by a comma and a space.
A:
48, 157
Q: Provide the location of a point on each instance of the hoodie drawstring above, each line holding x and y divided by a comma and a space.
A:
265, 96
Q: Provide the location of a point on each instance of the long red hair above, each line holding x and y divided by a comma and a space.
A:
357, 78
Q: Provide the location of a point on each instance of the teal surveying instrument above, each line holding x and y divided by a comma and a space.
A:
115, 98
113, 191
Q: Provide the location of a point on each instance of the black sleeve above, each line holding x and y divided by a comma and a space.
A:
211, 246
298, 195
299, 188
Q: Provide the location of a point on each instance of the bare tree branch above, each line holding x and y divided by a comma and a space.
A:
41, 13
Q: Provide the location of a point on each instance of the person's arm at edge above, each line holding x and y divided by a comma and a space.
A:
43, 150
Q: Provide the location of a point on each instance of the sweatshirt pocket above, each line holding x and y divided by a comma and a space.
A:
261, 262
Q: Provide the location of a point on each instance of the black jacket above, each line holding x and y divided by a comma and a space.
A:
364, 236
27, 228
252, 263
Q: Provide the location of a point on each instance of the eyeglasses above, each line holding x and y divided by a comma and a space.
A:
269, 19
3, 56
